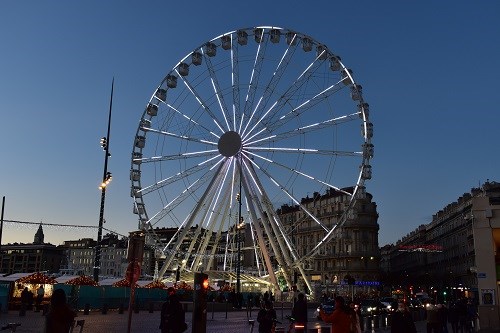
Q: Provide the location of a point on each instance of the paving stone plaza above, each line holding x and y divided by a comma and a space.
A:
144, 321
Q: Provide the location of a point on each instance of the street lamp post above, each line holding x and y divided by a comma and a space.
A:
106, 178
1, 226
239, 225
238, 240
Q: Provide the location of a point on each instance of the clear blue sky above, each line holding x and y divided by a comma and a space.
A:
429, 70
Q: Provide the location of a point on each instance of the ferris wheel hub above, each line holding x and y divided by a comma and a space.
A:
229, 144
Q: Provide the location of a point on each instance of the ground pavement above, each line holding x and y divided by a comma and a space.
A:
144, 321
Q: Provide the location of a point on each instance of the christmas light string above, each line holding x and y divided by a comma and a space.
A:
29, 224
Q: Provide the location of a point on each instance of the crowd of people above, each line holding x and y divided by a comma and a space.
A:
345, 318
28, 299
460, 316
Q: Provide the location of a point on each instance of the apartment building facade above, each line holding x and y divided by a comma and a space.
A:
456, 254
352, 255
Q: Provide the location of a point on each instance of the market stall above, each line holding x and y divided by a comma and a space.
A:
29, 289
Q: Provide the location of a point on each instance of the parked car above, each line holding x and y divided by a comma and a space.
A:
390, 304
371, 307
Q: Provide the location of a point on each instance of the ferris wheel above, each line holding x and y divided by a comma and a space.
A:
247, 122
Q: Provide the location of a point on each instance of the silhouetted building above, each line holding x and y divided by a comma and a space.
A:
39, 237
28, 258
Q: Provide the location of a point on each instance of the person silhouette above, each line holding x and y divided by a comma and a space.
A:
172, 318
60, 317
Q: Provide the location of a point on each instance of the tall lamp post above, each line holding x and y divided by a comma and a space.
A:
239, 225
106, 179
1, 225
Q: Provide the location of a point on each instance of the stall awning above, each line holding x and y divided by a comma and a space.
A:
13, 277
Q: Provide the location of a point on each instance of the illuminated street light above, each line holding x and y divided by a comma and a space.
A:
241, 224
104, 143
106, 181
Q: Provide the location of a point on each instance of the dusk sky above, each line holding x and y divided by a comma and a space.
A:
429, 70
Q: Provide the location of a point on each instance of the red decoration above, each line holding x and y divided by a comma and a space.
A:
183, 285
82, 280
124, 283
156, 284
37, 278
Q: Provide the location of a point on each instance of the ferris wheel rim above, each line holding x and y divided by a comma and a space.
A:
235, 152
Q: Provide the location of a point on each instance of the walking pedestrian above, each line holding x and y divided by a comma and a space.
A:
40, 293
60, 317
433, 322
267, 317
453, 317
299, 311
402, 321
340, 318
173, 317
355, 318
443, 317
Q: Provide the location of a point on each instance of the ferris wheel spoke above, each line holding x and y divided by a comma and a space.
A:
302, 174
256, 205
284, 190
325, 239
284, 236
213, 212
282, 101
179, 176
273, 82
272, 226
302, 130
305, 106
191, 189
255, 74
182, 156
257, 251
182, 137
188, 222
303, 151
235, 83
190, 119
199, 99
217, 89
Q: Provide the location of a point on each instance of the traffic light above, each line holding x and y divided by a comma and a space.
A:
205, 284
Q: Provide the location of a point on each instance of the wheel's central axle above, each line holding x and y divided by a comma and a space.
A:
229, 144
